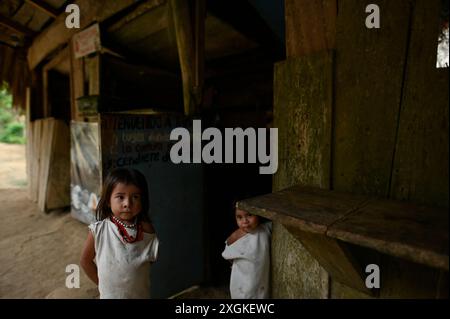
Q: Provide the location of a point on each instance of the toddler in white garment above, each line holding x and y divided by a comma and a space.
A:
248, 248
121, 246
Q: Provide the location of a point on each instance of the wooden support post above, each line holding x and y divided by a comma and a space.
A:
151, 8
46, 107
76, 81
92, 65
190, 51
184, 38
29, 144
200, 15
334, 257
298, 112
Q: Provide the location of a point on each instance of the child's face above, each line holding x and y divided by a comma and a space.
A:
246, 221
125, 201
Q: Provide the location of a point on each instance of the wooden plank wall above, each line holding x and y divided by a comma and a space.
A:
366, 100
389, 127
58, 180
386, 141
49, 164
28, 155
35, 159
366, 106
303, 115
420, 168
45, 155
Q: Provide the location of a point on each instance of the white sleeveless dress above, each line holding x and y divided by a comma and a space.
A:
251, 264
123, 268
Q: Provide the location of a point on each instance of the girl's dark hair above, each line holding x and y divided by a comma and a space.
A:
234, 207
125, 176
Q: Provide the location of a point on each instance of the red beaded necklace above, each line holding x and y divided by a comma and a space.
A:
123, 231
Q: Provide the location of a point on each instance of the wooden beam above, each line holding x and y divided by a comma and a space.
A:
7, 39
404, 230
44, 7
199, 50
16, 27
413, 232
139, 10
334, 257
128, 30
190, 37
57, 34
57, 59
185, 44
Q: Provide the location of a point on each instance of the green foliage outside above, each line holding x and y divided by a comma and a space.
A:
12, 125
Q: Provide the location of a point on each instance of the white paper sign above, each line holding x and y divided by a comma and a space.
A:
87, 41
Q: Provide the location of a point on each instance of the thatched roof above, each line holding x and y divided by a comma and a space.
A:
14, 71
20, 22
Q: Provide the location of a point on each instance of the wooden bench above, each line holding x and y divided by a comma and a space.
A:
323, 220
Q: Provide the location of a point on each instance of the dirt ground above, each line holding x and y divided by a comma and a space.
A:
12, 166
36, 248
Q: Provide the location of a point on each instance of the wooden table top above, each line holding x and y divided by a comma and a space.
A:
414, 232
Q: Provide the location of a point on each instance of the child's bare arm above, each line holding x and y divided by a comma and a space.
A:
87, 259
238, 233
148, 228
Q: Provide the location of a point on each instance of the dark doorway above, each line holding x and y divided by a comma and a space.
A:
59, 96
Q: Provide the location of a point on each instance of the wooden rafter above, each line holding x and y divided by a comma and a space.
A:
6, 39
133, 12
16, 27
44, 7
99, 10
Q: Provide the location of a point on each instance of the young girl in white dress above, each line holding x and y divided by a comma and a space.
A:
248, 248
121, 246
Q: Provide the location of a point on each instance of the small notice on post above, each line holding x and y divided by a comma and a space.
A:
87, 41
